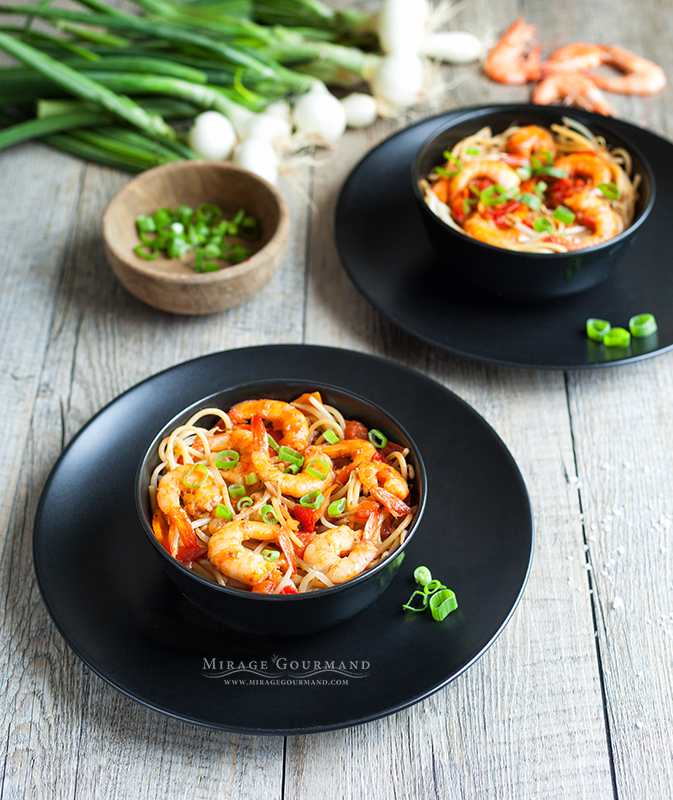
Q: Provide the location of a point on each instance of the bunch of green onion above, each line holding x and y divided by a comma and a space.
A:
105, 85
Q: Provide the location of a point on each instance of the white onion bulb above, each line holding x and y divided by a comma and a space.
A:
319, 113
257, 155
360, 109
398, 80
268, 126
401, 25
212, 136
454, 47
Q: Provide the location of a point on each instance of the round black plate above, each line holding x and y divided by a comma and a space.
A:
107, 592
383, 245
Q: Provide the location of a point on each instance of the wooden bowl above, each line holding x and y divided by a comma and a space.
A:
170, 283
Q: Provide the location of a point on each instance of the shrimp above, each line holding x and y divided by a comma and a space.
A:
175, 498
508, 63
576, 57
485, 230
573, 88
238, 439
641, 76
342, 553
228, 553
595, 213
531, 139
294, 485
501, 174
290, 420
585, 165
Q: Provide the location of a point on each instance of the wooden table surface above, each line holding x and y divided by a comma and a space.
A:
574, 698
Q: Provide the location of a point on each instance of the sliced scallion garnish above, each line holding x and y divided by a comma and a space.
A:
290, 455
524, 173
236, 490
609, 190
269, 515
564, 215
331, 437
251, 478
473, 151
422, 576
597, 328
312, 500
244, 502
542, 225
227, 459
318, 469
270, 555
336, 507
531, 200
617, 337
198, 473
642, 325
378, 439
442, 603
224, 512
494, 195
272, 442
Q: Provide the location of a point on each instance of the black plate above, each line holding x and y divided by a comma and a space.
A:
384, 247
110, 598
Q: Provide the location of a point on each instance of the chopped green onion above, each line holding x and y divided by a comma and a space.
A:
442, 604
609, 190
251, 478
244, 502
524, 173
162, 218
643, 325
197, 469
494, 195
378, 439
450, 171
236, 490
146, 224
292, 469
177, 228
597, 328
433, 586
272, 442
466, 205
543, 225
151, 256
331, 437
224, 512
209, 266
227, 459
553, 172
617, 337
249, 222
564, 215
531, 200
540, 188
312, 500
336, 507
321, 474
422, 575
537, 166
210, 214
270, 555
473, 151
290, 455
268, 515
408, 606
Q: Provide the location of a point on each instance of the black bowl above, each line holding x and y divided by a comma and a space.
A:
526, 277
284, 615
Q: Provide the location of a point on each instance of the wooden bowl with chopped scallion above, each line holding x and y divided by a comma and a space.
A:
196, 237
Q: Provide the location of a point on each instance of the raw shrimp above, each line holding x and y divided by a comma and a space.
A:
294, 485
501, 174
576, 57
585, 165
342, 553
593, 212
228, 553
285, 417
485, 230
508, 62
531, 139
573, 88
175, 499
641, 76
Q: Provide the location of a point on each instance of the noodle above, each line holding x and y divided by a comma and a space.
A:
284, 533
478, 193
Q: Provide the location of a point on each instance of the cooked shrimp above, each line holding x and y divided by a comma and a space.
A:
341, 553
641, 76
238, 439
501, 174
585, 165
595, 213
485, 230
285, 417
228, 553
380, 473
531, 139
513, 60
574, 89
294, 485
576, 57
175, 498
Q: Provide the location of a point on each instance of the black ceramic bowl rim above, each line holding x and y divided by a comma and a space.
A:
532, 110
275, 598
